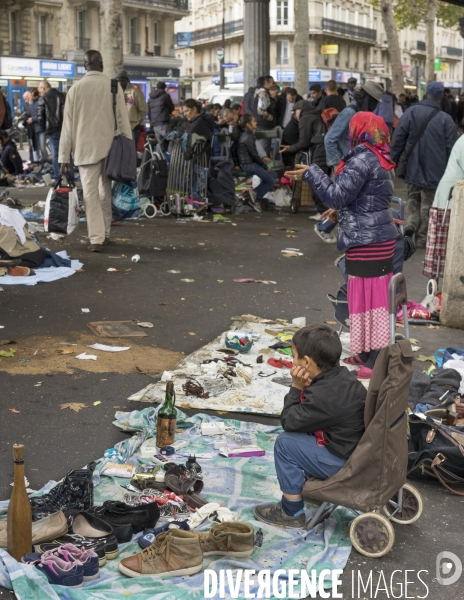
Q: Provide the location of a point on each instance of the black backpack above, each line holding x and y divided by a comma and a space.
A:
8, 118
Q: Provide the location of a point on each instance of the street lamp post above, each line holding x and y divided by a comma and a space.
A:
222, 76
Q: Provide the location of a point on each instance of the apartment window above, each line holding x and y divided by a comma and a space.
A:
43, 29
283, 52
156, 38
80, 24
347, 16
282, 12
337, 10
364, 20
356, 17
133, 30
14, 26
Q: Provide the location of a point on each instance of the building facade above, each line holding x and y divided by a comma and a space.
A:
48, 38
345, 39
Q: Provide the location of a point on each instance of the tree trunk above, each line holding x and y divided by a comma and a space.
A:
394, 51
111, 36
300, 46
430, 39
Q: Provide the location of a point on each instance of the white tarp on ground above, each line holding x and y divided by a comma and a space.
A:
261, 396
45, 275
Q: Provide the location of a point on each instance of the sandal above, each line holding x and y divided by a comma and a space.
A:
354, 361
364, 373
179, 480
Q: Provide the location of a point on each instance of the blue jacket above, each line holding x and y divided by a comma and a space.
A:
428, 160
385, 109
362, 196
336, 140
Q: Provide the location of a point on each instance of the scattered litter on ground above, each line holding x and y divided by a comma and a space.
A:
75, 406
13, 410
8, 353
116, 329
163, 303
264, 234
55, 236
188, 280
156, 248
23, 361
105, 348
173, 271
7, 342
85, 356
291, 253
112, 270
145, 324
135, 258
192, 333
331, 322
66, 351
201, 243
97, 403
85, 310
423, 358
220, 280
265, 281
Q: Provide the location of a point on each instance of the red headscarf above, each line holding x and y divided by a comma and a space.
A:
371, 131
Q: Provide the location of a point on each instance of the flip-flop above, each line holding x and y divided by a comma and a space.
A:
354, 361
364, 373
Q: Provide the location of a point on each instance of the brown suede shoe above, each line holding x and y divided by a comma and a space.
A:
228, 539
20, 271
95, 247
106, 242
173, 553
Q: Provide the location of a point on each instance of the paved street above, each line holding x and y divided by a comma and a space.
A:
48, 316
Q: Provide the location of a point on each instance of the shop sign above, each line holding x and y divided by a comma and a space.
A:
183, 39
19, 67
329, 49
57, 68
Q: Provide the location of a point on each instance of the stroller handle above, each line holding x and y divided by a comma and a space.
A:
398, 281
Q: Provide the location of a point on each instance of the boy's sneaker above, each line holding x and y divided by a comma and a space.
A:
98, 546
173, 553
150, 534
328, 238
275, 515
228, 539
69, 553
65, 573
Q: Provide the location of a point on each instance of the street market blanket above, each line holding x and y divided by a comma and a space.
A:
238, 483
45, 275
266, 392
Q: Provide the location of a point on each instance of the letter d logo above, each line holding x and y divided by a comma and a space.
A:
445, 568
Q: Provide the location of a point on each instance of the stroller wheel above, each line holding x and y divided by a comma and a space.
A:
150, 211
164, 209
372, 535
413, 506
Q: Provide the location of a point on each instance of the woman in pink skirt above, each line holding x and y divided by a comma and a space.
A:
360, 201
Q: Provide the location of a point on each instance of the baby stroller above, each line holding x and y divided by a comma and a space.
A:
153, 178
373, 480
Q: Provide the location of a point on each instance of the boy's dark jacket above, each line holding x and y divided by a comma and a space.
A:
333, 403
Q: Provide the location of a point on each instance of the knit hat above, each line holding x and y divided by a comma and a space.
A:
435, 90
122, 74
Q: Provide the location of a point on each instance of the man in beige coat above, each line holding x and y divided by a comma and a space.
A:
136, 104
88, 131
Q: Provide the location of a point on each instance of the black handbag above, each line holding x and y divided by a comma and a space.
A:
122, 159
435, 453
402, 165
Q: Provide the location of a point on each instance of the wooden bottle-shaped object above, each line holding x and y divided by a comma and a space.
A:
19, 520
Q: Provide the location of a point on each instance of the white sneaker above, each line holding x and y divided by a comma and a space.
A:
328, 238
316, 217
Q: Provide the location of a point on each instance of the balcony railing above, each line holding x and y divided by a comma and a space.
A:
361, 33
419, 46
216, 31
134, 48
450, 51
172, 4
45, 50
82, 43
17, 48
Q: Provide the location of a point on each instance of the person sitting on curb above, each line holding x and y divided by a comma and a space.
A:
323, 421
12, 163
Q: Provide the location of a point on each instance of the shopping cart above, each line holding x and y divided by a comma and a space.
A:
152, 179
187, 187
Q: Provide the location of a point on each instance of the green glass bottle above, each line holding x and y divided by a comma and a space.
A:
167, 418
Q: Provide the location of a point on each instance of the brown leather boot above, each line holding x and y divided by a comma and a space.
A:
95, 247
228, 539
